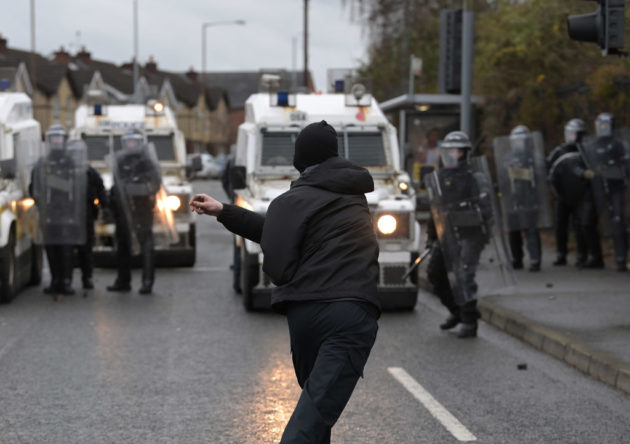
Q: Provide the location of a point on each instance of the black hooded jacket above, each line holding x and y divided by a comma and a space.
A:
318, 237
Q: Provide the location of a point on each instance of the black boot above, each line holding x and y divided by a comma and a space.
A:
595, 263
87, 283
450, 322
118, 286
67, 290
517, 265
534, 267
467, 331
147, 288
560, 260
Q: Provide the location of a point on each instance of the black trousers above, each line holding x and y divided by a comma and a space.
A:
532, 240
60, 262
330, 344
566, 213
437, 275
85, 256
123, 253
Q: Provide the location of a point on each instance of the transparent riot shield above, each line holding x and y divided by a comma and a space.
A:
60, 192
608, 157
140, 197
566, 176
468, 225
521, 176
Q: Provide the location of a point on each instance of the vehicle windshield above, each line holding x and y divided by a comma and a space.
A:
98, 146
164, 147
365, 149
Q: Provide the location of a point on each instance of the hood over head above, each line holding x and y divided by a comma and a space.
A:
339, 176
315, 143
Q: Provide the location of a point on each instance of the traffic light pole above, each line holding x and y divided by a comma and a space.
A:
468, 35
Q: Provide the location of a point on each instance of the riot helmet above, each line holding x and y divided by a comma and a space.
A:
455, 146
574, 130
132, 140
604, 124
56, 137
521, 140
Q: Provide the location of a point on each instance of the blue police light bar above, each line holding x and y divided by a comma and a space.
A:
340, 86
283, 98
98, 109
5, 84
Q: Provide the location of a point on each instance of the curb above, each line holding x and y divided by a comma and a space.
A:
596, 364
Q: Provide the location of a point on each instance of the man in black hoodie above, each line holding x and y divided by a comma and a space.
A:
321, 253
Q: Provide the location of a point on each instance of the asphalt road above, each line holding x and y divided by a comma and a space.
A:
189, 365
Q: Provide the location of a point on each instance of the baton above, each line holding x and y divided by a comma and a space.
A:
416, 263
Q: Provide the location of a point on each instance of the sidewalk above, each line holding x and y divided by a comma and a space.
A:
579, 316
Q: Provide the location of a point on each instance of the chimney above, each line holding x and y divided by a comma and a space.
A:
62, 56
127, 66
84, 56
3, 45
192, 74
151, 65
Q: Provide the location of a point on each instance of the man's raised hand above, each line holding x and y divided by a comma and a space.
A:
204, 204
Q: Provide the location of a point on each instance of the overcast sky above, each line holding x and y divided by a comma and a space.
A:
170, 31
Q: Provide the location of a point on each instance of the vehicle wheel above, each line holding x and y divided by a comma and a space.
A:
7, 271
37, 262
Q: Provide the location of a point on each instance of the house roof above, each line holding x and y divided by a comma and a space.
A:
48, 74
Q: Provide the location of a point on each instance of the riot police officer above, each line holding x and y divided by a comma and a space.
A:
570, 179
58, 188
522, 198
137, 179
460, 200
607, 157
96, 198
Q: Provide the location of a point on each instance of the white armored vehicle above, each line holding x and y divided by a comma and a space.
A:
20, 146
264, 169
101, 127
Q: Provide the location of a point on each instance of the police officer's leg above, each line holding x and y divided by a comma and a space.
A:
66, 253
470, 253
331, 343
236, 283
619, 227
516, 247
581, 244
438, 277
56, 279
148, 259
86, 258
123, 258
562, 234
533, 248
587, 215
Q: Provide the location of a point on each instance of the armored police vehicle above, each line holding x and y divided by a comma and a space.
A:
264, 170
101, 127
20, 145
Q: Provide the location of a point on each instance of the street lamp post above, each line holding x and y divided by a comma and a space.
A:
203, 39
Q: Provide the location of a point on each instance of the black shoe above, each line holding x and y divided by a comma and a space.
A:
88, 284
450, 322
146, 289
534, 267
594, 263
467, 331
560, 260
119, 287
237, 289
517, 265
66, 290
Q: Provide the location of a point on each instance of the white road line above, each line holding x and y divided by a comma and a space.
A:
457, 429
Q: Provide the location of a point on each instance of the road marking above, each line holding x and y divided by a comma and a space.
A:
457, 429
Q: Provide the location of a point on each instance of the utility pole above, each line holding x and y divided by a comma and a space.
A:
306, 44
468, 35
33, 59
136, 73
294, 49
405, 51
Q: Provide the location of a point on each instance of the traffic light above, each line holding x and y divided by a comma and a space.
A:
450, 76
605, 26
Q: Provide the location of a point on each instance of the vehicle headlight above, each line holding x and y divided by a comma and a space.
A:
404, 187
173, 203
386, 224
